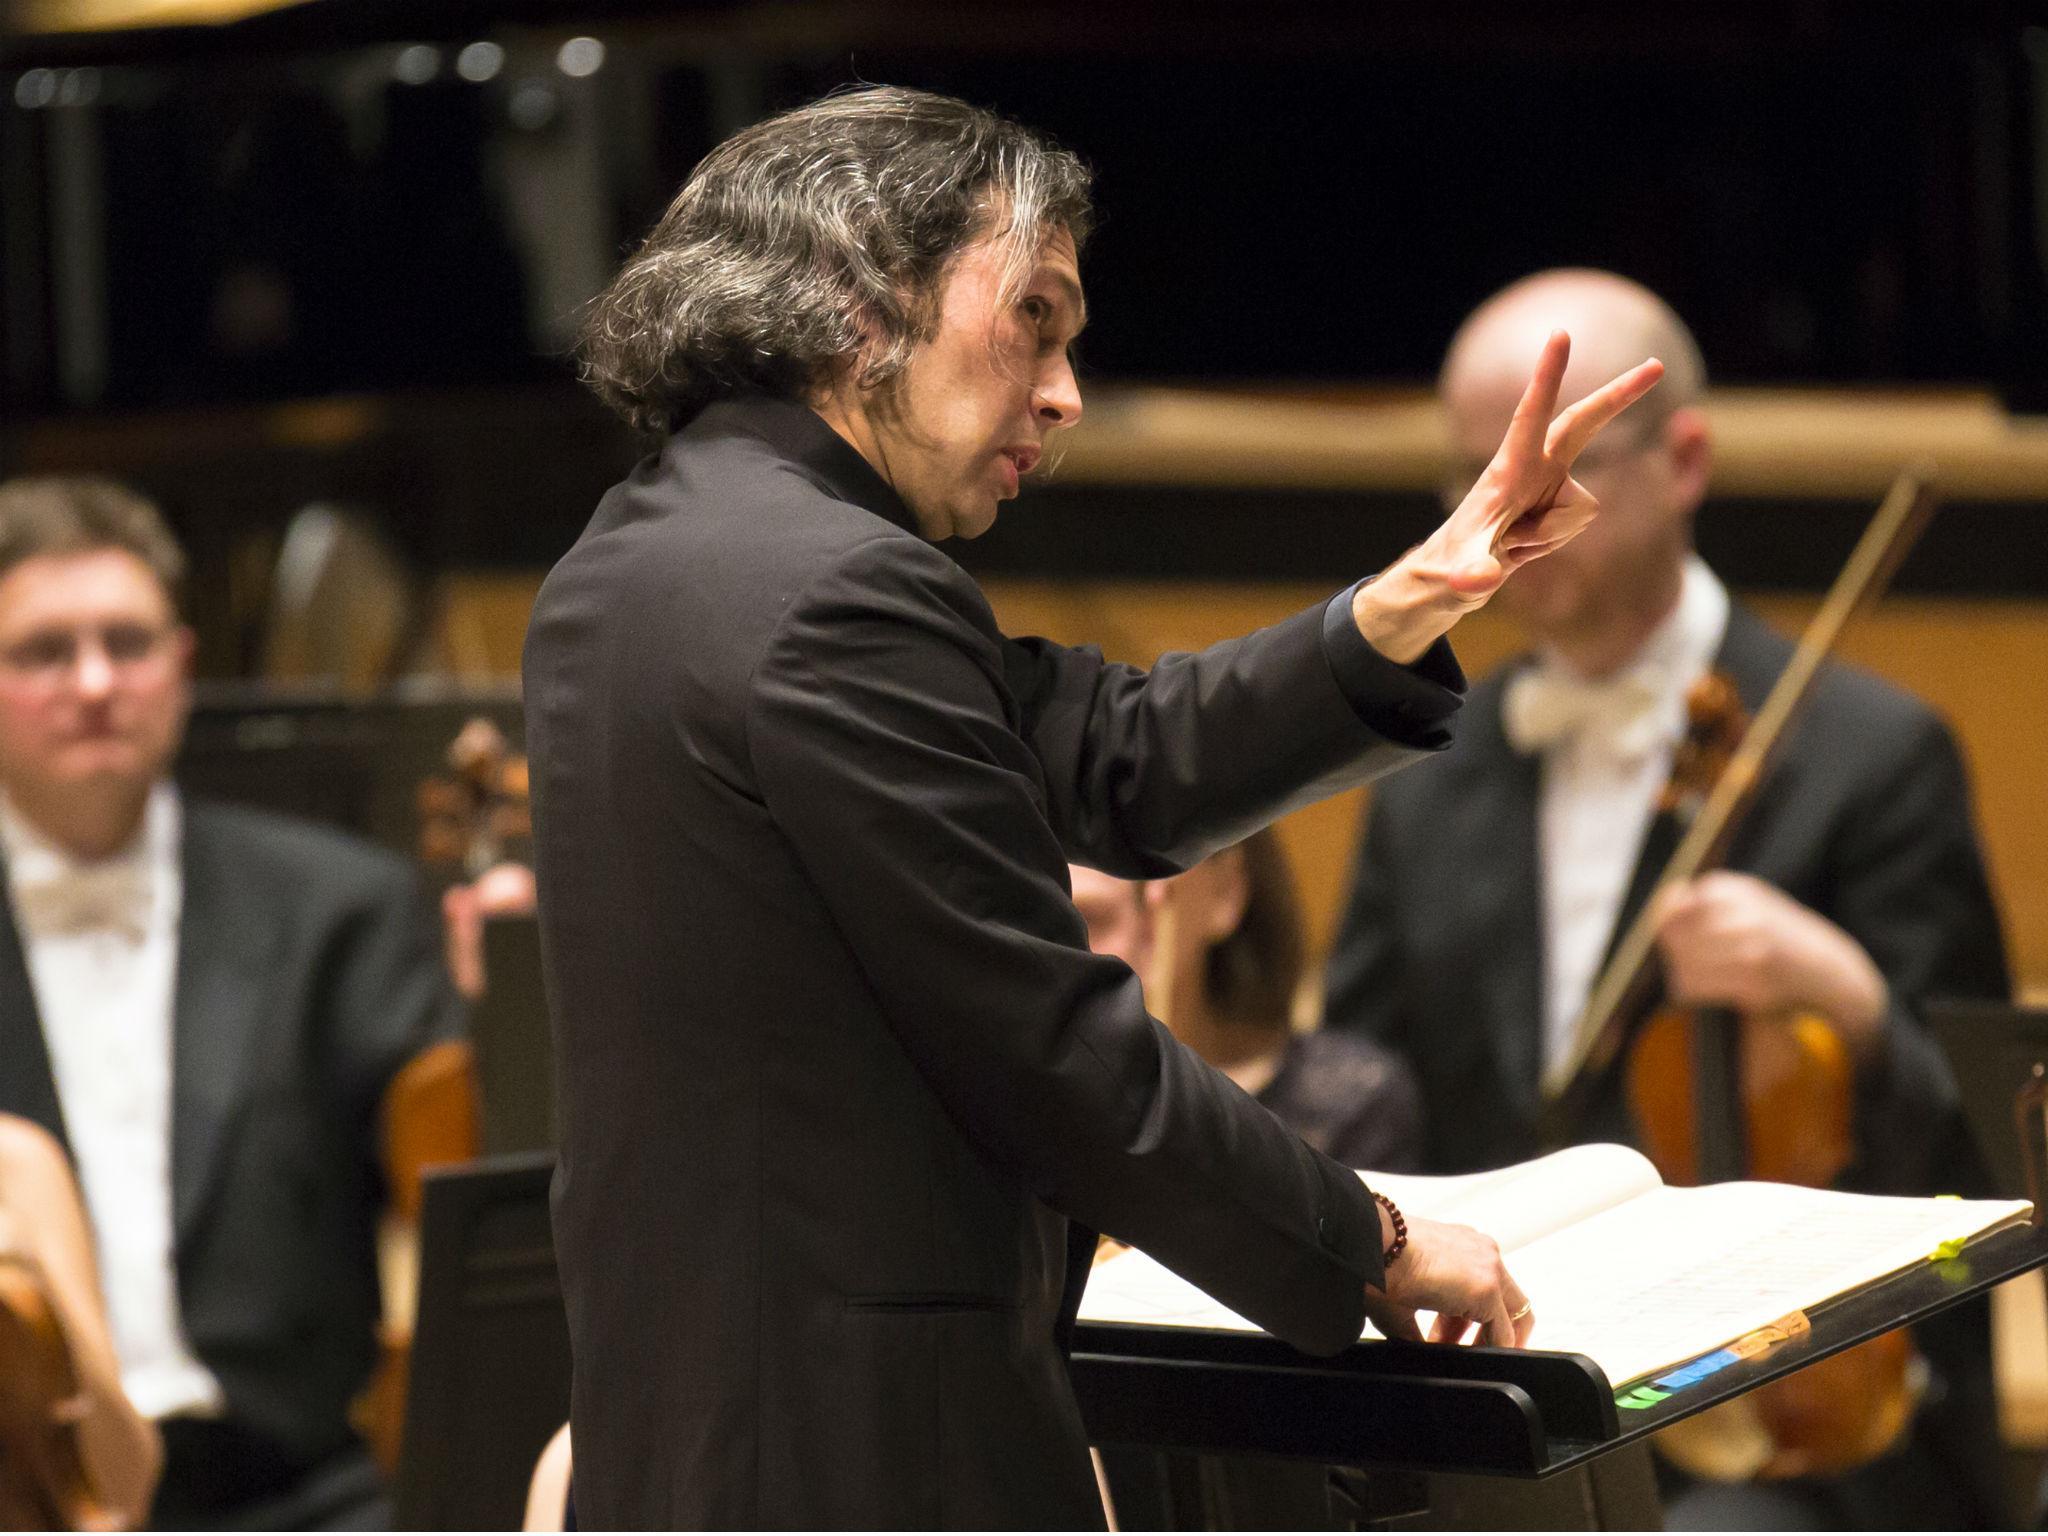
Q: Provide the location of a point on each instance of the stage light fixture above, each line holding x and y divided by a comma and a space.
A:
36, 88
480, 62
580, 57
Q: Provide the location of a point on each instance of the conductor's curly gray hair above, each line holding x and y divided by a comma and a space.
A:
820, 240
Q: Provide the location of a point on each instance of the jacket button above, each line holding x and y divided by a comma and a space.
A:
1323, 1230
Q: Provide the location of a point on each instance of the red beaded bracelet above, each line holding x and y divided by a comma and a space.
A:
1400, 1230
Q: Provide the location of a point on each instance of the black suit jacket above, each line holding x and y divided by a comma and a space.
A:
309, 970
1864, 817
835, 1060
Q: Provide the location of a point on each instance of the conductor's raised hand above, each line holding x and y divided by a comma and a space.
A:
1526, 502
1458, 1274
1523, 505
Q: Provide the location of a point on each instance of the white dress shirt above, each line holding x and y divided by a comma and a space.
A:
101, 941
1607, 748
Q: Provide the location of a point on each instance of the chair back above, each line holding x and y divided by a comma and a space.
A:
515, 1061
490, 1360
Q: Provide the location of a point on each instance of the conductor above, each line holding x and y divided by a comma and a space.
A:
837, 1068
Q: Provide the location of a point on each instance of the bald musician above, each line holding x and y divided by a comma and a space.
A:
1855, 890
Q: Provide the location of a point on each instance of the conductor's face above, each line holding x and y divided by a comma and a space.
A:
971, 413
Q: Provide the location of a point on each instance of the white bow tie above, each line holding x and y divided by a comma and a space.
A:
112, 897
1628, 716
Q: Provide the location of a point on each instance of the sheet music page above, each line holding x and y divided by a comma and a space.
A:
1661, 1277
1675, 1273
1134, 1287
1513, 1205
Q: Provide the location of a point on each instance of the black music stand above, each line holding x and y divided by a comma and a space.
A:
1401, 1425
490, 1357
514, 1050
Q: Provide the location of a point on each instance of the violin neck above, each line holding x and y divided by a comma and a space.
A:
1720, 1121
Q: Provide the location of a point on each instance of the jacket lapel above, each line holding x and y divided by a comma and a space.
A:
227, 931
27, 1086
1753, 654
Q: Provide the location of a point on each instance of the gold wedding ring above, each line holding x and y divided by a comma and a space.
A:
1516, 1317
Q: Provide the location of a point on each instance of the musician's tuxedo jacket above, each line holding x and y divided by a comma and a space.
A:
308, 970
836, 1064
1865, 817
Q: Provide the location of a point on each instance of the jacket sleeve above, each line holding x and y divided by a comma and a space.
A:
1149, 772
1909, 885
888, 750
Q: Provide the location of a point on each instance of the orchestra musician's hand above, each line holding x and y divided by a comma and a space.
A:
1458, 1274
1524, 505
1731, 940
503, 890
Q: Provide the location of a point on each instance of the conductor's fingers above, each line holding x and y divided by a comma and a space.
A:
1539, 532
1532, 420
1520, 1313
1499, 1327
1449, 1329
1577, 425
1393, 1320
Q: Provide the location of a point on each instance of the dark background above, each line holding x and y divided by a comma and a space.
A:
199, 222
1829, 192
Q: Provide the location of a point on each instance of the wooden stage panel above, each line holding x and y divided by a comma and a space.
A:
1982, 663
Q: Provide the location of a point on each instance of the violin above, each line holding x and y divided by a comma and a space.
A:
476, 814
44, 1484
1717, 1096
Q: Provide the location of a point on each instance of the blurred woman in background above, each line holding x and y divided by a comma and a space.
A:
1221, 950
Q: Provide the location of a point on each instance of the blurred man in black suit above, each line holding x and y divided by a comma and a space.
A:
204, 1006
1855, 890
836, 1063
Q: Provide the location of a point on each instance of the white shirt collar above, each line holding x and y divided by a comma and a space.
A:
1683, 645
1642, 705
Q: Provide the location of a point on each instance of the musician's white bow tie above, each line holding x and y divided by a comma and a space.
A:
61, 898
1628, 716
